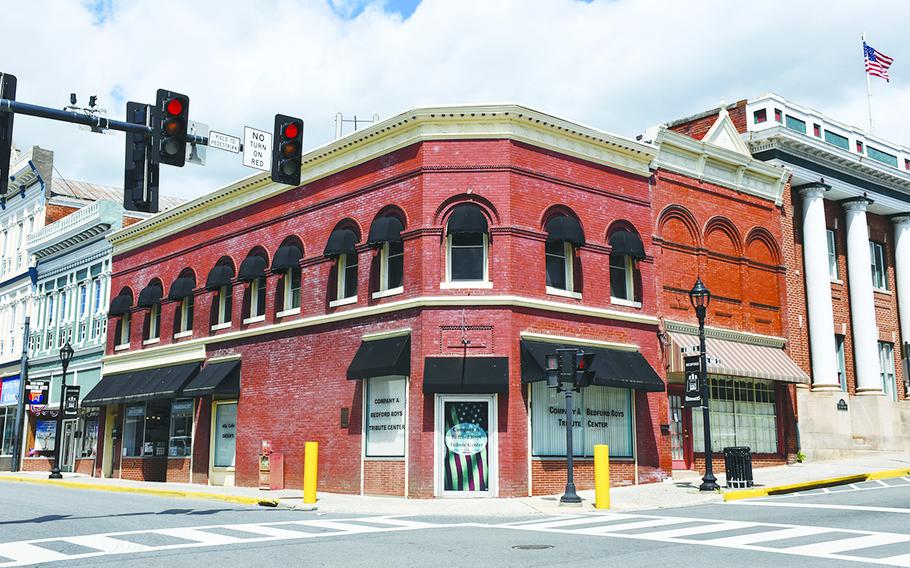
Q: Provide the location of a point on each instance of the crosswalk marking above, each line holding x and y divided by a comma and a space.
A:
856, 543
629, 526
200, 536
106, 544
23, 552
704, 528
799, 505
267, 530
773, 534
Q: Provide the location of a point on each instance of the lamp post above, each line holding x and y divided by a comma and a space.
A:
700, 297
66, 355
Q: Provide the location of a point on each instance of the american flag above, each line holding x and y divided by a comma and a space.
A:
877, 63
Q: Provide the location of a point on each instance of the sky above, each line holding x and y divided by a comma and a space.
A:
616, 65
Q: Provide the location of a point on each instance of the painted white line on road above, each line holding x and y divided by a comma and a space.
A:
266, 530
536, 521
200, 536
765, 536
23, 552
584, 520
644, 524
107, 544
854, 486
843, 545
758, 503
700, 529
883, 484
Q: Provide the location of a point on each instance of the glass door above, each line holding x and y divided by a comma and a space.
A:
67, 452
680, 424
466, 446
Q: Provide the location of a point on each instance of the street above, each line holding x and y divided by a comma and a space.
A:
43, 525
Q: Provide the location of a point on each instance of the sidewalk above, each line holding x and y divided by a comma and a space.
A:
681, 491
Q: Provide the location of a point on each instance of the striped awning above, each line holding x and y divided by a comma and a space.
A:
738, 359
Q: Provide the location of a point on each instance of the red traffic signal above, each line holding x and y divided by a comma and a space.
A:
170, 126
287, 148
584, 369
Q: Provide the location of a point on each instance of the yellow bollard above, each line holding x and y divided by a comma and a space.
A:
601, 476
310, 460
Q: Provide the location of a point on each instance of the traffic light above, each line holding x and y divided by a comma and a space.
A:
169, 127
287, 146
7, 91
140, 177
584, 371
566, 365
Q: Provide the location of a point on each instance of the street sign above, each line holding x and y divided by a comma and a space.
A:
195, 153
71, 401
224, 141
257, 149
692, 371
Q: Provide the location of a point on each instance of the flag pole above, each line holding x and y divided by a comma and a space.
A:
868, 83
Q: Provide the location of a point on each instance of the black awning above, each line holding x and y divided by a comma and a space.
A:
181, 288
464, 375
565, 229
120, 305
612, 367
382, 357
341, 241
251, 268
220, 377
287, 256
219, 276
627, 243
140, 385
467, 218
385, 230
150, 295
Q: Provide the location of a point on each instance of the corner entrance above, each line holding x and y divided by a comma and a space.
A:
466, 446
680, 430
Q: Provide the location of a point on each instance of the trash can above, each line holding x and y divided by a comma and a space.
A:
738, 464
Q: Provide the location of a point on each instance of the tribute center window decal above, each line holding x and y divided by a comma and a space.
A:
386, 404
467, 449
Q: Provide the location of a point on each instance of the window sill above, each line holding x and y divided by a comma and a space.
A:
482, 284
151, 341
225, 325
387, 293
884, 291
183, 334
254, 319
122, 347
563, 293
837, 281
624, 302
286, 313
343, 302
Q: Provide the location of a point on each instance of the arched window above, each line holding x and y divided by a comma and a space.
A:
564, 235
467, 245
342, 246
385, 235
626, 248
120, 306
150, 298
252, 270
182, 291
219, 279
287, 263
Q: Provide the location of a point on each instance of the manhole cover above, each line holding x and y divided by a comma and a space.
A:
532, 546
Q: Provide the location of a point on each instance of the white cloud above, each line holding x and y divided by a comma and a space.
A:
617, 65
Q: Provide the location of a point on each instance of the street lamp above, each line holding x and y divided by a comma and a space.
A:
700, 297
66, 355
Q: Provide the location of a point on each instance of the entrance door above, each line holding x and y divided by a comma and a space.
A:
466, 446
680, 428
224, 443
68, 450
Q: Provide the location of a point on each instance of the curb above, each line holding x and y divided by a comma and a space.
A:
816, 484
145, 491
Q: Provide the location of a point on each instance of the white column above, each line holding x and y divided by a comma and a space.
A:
818, 289
862, 302
902, 272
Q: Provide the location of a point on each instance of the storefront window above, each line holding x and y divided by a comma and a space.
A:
7, 430
45, 432
133, 427
603, 415
180, 444
225, 434
385, 422
89, 437
743, 413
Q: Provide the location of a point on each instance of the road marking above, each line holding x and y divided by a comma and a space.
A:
107, 544
266, 530
759, 503
774, 534
854, 486
701, 529
26, 553
644, 524
587, 520
843, 545
200, 536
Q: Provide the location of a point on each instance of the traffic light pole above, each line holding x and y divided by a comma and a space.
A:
99, 122
570, 496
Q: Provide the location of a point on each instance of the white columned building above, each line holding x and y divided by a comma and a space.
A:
902, 270
862, 301
818, 288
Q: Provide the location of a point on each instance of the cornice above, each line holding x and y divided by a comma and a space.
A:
721, 166
197, 346
726, 334
468, 122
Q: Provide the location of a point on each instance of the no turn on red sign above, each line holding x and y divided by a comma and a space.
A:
257, 149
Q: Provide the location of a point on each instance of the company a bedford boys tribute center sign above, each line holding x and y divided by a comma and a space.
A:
603, 415
385, 417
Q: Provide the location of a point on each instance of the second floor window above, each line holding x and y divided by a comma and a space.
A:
83, 300
564, 234
467, 245
886, 365
185, 315
879, 268
153, 319
347, 276
391, 266
832, 255
257, 297
291, 288
224, 305
627, 248
124, 337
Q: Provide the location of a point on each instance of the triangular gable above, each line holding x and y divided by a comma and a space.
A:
724, 134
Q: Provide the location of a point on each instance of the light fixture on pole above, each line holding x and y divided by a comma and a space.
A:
700, 297
66, 355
